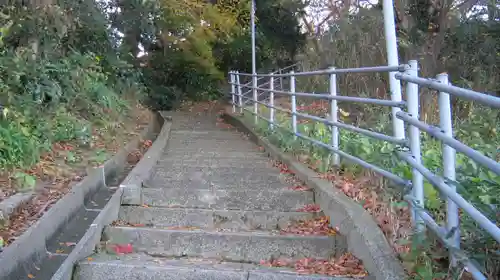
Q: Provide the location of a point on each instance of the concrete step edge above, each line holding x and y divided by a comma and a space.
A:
161, 268
233, 246
211, 219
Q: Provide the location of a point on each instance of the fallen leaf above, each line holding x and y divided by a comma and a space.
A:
122, 249
310, 208
300, 188
31, 276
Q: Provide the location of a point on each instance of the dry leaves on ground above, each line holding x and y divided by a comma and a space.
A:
346, 265
393, 219
316, 226
283, 168
312, 208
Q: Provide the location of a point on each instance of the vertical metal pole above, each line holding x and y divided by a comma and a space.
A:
393, 60
294, 102
233, 90
271, 102
449, 163
254, 67
334, 117
240, 95
255, 99
281, 81
414, 134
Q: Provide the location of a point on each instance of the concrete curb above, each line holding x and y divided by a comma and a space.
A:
10, 205
364, 238
31, 246
126, 192
132, 185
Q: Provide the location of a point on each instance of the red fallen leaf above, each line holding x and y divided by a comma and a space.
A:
310, 208
300, 188
284, 169
123, 249
148, 143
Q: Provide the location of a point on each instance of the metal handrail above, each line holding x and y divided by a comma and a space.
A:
408, 147
249, 84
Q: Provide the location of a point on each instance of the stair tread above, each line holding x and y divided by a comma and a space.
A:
255, 233
243, 220
230, 245
234, 199
143, 266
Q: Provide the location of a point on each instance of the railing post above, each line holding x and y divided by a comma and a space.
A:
271, 101
449, 163
334, 117
393, 60
255, 99
240, 95
412, 92
233, 90
294, 103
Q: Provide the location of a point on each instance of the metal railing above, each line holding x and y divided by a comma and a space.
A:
278, 83
409, 147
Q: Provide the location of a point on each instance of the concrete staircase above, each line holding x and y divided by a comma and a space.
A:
213, 209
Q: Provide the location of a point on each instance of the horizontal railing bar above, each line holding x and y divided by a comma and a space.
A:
439, 183
452, 142
281, 69
267, 120
268, 105
485, 99
287, 67
359, 161
326, 96
250, 86
264, 84
441, 234
369, 133
246, 92
333, 71
396, 179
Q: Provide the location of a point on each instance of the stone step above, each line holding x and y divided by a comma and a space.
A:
216, 145
224, 174
193, 170
216, 185
212, 135
266, 200
186, 154
211, 219
217, 163
230, 246
203, 149
178, 135
144, 267
197, 125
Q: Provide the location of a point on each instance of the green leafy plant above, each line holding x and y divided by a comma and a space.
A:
25, 181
